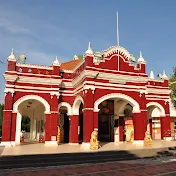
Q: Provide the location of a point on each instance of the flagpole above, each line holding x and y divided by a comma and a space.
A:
117, 30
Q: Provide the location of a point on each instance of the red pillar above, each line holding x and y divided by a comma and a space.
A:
7, 117
88, 115
73, 129
87, 125
54, 116
151, 128
95, 120
48, 127
121, 124
165, 122
165, 126
13, 131
140, 125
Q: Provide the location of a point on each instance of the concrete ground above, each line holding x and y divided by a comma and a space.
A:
1, 149
39, 148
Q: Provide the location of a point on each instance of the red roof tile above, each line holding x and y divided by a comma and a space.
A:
70, 65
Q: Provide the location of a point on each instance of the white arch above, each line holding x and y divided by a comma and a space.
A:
67, 105
29, 97
159, 106
127, 98
78, 100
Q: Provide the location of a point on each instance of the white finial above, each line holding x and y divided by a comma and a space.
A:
56, 62
141, 59
89, 51
164, 76
152, 75
12, 56
75, 57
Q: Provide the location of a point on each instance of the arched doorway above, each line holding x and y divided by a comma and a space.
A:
64, 124
80, 124
113, 108
25, 127
34, 110
128, 128
154, 114
106, 121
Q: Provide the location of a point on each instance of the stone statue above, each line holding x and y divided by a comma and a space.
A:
147, 139
94, 141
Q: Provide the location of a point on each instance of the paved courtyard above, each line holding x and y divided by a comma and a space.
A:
39, 148
158, 168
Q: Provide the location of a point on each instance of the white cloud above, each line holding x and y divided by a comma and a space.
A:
12, 27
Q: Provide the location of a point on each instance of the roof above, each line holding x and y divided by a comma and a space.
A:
70, 65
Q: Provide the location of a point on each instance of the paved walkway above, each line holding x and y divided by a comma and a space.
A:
38, 148
103, 169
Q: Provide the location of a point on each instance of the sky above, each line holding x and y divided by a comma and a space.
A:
43, 29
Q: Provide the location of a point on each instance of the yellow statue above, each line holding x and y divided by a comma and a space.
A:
94, 141
147, 139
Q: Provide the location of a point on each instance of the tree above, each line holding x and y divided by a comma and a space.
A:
1, 117
172, 85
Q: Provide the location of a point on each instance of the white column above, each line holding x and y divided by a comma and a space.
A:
18, 128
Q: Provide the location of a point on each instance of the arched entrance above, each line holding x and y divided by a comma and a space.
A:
113, 109
34, 107
154, 113
64, 124
77, 110
80, 124
25, 127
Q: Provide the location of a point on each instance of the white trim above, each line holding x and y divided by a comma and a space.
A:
8, 143
18, 128
35, 97
51, 143
85, 145
34, 66
138, 142
76, 105
159, 106
136, 107
115, 71
67, 105
70, 143
167, 138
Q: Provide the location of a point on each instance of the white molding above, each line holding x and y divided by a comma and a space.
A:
51, 143
29, 97
168, 138
127, 98
67, 105
115, 71
30, 87
34, 66
70, 143
18, 128
159, 106
7, 143
76, 105
138, 142
85, 145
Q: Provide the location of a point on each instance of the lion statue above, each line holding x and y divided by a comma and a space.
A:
147, 139
94, 140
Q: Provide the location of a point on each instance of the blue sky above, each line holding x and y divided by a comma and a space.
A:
43, 29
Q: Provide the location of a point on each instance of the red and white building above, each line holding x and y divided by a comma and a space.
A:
101, 91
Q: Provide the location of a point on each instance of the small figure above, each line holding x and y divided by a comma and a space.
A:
147, 139
94, 141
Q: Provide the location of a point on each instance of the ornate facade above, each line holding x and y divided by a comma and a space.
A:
102, 91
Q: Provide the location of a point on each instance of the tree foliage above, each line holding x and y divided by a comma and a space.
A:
172, 85
25, 124
1, 117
